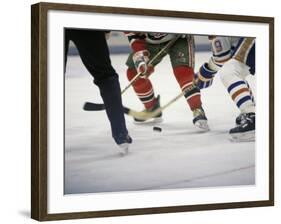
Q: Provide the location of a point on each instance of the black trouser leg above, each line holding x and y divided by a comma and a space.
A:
111, 95
94, 53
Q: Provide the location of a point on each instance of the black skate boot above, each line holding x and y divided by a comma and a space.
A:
157, 118
241, 117
246, 130
238, 120
200, 120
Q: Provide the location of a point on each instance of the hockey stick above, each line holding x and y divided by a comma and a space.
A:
143, 115
167, 46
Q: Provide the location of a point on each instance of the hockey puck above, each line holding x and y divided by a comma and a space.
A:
157, 129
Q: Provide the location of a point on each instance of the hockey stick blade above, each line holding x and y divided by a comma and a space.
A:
88, 106
142, 115
145, 115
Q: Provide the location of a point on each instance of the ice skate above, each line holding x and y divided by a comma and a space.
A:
157, 119
123, 144
246, 130
238, 120
200, 120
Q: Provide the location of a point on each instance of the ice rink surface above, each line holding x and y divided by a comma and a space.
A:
177, 157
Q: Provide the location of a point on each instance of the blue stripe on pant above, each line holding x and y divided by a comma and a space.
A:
233, 85
243, 100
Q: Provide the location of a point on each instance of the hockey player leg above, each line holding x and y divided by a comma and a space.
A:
240, 118
145, 93
232, 75
245, 131
111, 95
184, 76
94, 54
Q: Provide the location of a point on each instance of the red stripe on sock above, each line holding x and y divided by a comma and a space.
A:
141, 86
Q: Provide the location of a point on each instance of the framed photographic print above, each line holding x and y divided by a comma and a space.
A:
138, 111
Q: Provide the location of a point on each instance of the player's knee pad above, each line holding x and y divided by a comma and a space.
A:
232, 70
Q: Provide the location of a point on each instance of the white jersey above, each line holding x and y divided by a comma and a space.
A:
222, 49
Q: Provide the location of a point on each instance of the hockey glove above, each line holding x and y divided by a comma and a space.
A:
141, 59
204, 78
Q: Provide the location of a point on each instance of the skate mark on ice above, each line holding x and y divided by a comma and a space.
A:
85, 159
165, 186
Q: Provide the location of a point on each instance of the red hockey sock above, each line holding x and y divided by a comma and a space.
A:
143, 89
184, 76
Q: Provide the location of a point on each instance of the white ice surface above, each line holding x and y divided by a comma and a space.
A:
177, 157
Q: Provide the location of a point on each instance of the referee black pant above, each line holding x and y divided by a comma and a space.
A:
94, 53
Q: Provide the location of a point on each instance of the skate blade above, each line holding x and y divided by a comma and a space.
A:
202, 125
248, 136
123, 149
155, 120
